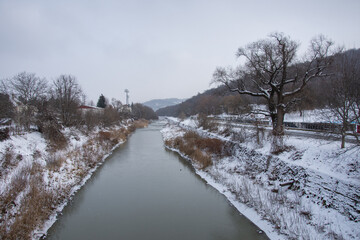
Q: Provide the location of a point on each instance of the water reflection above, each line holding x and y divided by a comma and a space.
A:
146, 192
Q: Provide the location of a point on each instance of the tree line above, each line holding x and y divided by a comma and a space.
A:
274, 75
32, 102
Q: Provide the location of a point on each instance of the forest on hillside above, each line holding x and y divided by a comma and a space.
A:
318, 94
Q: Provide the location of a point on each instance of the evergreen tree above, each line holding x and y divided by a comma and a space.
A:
101, 102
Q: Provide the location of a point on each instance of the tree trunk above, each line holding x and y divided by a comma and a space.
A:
278, 132
278, 129
343, 140
344, 127
343, 133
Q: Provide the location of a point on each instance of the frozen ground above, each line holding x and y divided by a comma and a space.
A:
309, 191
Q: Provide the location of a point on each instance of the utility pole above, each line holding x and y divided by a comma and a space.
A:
127, 96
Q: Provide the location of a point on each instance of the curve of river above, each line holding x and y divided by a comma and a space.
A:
146, 192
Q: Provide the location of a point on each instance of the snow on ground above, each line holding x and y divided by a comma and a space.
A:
323, 202
62, 171
309, 116
22, 147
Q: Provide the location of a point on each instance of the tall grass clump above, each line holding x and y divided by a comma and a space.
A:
20, 216
200, 149
54, 161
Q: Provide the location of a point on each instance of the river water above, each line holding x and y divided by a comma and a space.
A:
146, 192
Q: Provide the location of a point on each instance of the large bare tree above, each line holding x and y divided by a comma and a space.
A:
273, 72
67, 94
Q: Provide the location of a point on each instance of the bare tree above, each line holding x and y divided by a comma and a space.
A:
356, 90
343, 95
27, 87
67, 94
27, 90
273, 72
116, 104
4, 86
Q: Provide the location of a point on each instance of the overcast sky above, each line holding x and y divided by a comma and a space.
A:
156, 49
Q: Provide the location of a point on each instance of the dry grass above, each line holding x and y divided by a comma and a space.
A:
191, 135
199, 149
115, 136
203, 159
17, 184
120, 134
104, 136
138, 124
34, 208
141, 123
211, 145
28, 218
54, 161
8, 159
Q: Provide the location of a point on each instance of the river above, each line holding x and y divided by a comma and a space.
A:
144, 191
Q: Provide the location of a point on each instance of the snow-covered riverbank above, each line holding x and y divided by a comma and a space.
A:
37, 179
309, 191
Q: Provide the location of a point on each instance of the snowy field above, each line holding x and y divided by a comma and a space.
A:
309, 191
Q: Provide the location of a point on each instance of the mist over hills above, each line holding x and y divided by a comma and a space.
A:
156, 104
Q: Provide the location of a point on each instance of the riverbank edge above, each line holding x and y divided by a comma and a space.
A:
58, 211
42, 231
244, 210
307, 219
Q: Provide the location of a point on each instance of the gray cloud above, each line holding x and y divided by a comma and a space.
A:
156, 49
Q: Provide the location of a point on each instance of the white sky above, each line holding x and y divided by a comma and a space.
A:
156, 49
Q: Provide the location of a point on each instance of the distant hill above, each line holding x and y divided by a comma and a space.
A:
161, 103
212, 101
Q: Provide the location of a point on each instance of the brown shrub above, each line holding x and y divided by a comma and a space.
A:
191, 135
51, 130
104, 136
187, 148
131, 128
120, 135
177, 142
141, 123
90, 156
169, 142
211, 145
197, 148
202, 158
